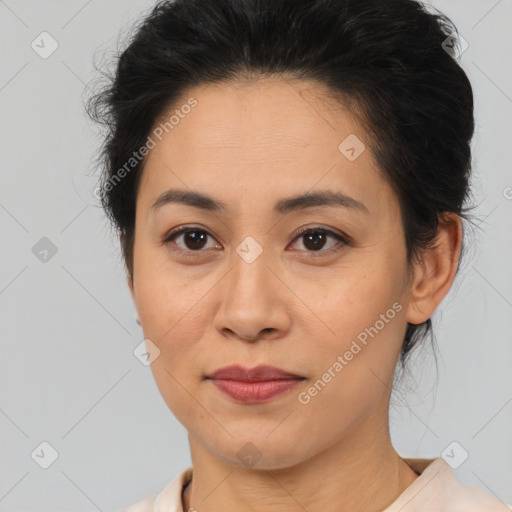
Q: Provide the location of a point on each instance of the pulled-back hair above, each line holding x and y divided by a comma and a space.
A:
386, 61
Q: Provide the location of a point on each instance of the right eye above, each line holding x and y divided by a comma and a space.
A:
194, 239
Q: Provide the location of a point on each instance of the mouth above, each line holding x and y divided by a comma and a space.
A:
257, 385
260, 373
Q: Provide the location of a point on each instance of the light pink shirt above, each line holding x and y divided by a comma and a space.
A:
437, 489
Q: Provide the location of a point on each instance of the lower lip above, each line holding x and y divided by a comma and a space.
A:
255, 392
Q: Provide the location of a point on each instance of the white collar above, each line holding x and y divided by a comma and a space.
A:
437, 489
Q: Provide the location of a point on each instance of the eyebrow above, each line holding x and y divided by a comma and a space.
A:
283, 206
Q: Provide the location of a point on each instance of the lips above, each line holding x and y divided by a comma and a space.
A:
254, 385
260, 373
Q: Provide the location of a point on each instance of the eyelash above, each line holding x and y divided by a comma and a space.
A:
344, 240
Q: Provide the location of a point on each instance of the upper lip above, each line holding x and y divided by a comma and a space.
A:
258, 373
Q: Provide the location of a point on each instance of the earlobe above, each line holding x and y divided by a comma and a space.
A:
435, 272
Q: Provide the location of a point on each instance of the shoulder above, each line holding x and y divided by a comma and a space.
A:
168, 499
145, 505
438, 489
463, 498
470, 499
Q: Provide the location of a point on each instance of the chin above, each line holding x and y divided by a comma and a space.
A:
260, 452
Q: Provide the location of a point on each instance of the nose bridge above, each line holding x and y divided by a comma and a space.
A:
250, 276
250, 303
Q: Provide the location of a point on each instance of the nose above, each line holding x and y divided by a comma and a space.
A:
253, 303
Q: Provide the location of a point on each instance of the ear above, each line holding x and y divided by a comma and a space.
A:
435, 272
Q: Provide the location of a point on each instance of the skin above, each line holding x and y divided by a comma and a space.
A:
250, 144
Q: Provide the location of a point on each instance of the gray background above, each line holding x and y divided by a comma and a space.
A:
68, 375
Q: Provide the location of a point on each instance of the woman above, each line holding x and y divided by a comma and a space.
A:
289, 179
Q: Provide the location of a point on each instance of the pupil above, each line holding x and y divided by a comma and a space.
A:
195, 243
316, 238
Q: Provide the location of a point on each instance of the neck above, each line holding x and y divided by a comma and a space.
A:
362, 471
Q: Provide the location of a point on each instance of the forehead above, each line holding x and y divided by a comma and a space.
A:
242, 139
244, 115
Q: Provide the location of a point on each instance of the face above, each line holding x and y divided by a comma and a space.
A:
243, 287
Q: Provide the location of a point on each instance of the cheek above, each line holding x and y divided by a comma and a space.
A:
179, 368
352, 297
174, 386
354, 367
365, 318
165, 293
342, 405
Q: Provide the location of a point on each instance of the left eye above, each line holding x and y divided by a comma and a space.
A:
313, 239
